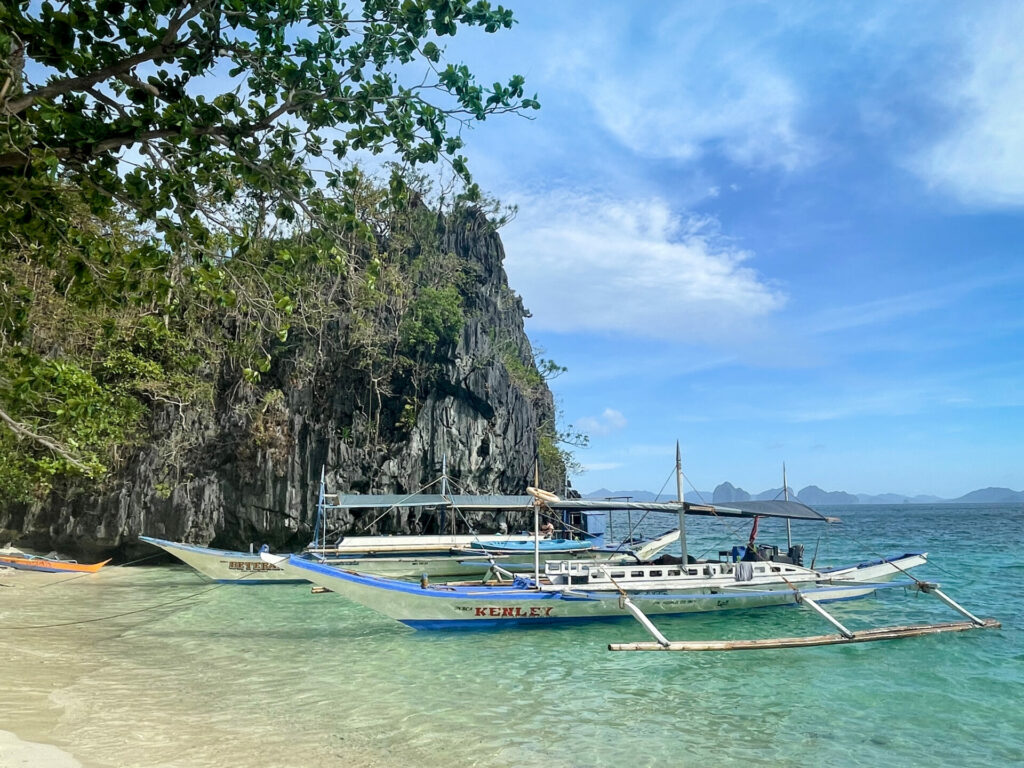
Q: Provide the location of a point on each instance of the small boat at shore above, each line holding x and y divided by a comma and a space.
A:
437, 556
224, 565
50, 564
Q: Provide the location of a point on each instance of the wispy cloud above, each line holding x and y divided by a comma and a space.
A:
601, 466
885, 310
609, 421
694, 86
980, 159
634, 266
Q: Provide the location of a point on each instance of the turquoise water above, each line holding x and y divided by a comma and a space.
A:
277, 676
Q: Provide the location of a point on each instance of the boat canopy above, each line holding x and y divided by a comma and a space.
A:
792, 510
388, 500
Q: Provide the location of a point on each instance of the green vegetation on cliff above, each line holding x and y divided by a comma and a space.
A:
162, 245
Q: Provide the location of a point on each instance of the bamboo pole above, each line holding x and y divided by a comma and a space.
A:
865, 636
789, 526
536, 527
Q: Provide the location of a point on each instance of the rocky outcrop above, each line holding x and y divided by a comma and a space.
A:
227, 476
727, 492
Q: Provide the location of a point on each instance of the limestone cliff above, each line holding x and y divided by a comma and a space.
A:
244, 469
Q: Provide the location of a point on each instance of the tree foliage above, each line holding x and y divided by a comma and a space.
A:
213, 96
176, 194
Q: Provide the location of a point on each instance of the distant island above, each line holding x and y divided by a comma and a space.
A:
815, 496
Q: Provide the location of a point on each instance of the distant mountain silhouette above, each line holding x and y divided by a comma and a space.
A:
895, 498
815, 496
773, 494
604, 493
991, 496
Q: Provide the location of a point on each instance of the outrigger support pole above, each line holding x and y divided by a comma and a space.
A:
825, 615
933, 589
640, 616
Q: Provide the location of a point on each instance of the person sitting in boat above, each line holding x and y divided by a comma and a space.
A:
547, 530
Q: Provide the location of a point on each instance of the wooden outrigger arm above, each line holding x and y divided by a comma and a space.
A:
844, 636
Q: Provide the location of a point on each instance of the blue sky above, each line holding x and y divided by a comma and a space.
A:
775, 232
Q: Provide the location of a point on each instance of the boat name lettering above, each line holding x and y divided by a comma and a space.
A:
518, 612
248, 565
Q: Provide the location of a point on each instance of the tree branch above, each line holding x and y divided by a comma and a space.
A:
15, 159
118, 68
23, 432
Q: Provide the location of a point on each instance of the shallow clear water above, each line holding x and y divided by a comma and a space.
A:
237, 676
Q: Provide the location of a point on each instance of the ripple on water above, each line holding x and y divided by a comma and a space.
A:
277, 676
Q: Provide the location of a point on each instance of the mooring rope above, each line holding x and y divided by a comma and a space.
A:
115, 615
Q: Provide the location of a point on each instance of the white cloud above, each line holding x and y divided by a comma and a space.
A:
698, 84
609, 421
981, 159
635, 266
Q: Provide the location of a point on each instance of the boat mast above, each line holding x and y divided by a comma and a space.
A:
682, 510
785, 495
444, 484
536, 527
321, 513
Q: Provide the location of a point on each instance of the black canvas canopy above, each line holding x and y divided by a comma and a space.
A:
791, 510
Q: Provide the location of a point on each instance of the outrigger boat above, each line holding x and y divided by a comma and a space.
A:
587, 591
436, 556
439, 556
50, 564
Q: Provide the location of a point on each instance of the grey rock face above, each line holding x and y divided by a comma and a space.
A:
203, 479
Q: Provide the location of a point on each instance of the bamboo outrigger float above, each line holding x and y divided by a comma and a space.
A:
844, 636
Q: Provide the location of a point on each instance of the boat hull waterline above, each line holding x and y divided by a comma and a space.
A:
480, 606
228, 566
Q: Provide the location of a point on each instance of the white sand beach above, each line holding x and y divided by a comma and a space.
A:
15, 753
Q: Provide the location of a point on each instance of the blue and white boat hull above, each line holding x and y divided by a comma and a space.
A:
519, 604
